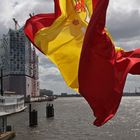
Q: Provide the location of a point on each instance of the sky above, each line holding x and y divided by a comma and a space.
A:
123, 22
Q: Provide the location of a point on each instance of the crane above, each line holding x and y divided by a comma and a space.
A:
16, 23
31, 15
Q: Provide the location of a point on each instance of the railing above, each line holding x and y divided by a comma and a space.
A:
11, 104
11, 108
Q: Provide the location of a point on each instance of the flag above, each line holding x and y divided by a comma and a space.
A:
102, 70
88, 62
60, 35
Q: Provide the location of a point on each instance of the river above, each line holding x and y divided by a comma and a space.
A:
73, 121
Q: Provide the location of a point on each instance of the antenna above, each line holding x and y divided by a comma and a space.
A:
16, 23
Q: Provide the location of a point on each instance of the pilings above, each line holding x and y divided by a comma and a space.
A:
49, 111
33, 114
33, 117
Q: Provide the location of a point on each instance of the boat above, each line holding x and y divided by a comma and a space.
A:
10, 104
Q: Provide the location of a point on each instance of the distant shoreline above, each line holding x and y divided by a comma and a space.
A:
78, 95
131, 94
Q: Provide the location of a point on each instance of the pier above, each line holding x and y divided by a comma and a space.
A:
7, 135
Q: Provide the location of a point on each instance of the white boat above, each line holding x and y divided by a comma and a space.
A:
10, 104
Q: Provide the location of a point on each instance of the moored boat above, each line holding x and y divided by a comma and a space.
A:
10, 104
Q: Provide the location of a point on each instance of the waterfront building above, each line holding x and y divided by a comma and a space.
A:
46, 92
19, 62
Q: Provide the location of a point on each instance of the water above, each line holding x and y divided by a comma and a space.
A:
73, 121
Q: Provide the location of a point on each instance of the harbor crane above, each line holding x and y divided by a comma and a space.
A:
16, 23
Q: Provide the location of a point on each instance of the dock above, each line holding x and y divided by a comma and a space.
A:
7, 135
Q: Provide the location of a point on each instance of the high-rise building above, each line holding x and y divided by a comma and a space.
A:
19, 62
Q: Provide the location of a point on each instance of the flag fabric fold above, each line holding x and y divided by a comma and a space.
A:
87, 61
60, 35
102, 70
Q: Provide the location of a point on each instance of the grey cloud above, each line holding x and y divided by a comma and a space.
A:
20, 10
2, 29
44, 61
44, 7
57, 86
52, 78
132, 83
15, 4
137, 2
129, 44
132, 77
123, 24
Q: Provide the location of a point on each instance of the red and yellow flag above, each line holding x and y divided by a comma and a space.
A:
88, 62
60, 36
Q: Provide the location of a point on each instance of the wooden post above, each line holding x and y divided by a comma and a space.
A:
49, 111
1, 82
33, 117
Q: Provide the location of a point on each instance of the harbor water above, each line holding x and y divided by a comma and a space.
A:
73, 121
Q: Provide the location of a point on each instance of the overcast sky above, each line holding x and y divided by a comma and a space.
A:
123, 21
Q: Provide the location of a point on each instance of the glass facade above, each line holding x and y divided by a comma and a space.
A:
18, 58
